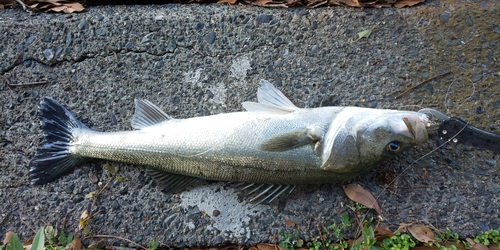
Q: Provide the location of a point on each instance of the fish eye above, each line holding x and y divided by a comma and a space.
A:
393, 146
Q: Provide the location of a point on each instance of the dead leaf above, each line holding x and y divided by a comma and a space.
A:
479, 246
382, 232
352, 3
457, 245
422, 233
470, 241
425, 248
290, 223
267, 246
7, 237
84, 220
55, 5
358, 194
76, 243
403, 227
262, 3
404, 3
492, 247
227, 1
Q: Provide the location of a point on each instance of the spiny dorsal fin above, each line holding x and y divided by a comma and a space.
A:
270, 100
147, 114
170, 183
288, 141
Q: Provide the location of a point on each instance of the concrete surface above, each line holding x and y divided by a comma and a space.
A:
196, 60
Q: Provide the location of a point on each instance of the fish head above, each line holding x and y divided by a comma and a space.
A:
364, 137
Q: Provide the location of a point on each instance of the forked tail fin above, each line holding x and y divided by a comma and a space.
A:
53, 157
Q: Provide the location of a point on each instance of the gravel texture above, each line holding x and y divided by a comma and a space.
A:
198, 60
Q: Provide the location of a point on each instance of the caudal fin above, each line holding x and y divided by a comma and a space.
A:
53, 157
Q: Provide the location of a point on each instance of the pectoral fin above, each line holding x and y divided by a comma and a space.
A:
171, 183
291, 140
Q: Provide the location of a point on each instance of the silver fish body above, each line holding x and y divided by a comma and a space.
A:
273, 142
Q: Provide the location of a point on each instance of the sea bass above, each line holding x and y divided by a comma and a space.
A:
273, 143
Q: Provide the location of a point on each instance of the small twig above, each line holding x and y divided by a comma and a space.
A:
6, 80
5, 217
114, 52
65, 218
318, 4
26, 224
117, 237
27, 84
99, 193
376, 62
420, 83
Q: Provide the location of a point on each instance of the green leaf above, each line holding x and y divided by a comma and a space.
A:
39, 240
345, 220
120, 178
109, 168
51, 234
153, 244
90, 195
14, 243
364, 33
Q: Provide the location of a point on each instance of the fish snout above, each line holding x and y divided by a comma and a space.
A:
417, 127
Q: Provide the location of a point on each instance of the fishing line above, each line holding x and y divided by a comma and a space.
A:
451, 139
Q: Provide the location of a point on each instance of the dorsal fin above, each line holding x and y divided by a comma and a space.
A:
147, 114
270, 100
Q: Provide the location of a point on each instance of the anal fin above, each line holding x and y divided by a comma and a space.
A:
170, 183
264, 193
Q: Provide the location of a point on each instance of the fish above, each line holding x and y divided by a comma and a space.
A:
273, 146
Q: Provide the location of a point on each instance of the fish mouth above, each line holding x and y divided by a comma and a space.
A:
417, 128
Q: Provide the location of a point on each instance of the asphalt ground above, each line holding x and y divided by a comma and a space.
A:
198, 60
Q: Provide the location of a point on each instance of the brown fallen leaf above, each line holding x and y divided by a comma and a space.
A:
262, 3
479, 246
358, 194
227, 1
494, 247
457, 245
425, 248
267, 246
7, 237
422, 233
382, 233
290, 223
70, 8
403, 227
352, 3
404, 3
55, 5
76, 243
